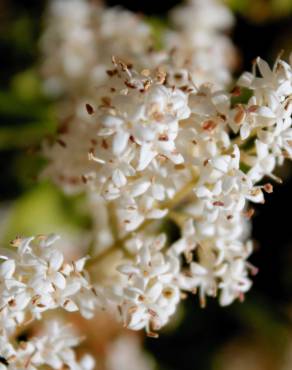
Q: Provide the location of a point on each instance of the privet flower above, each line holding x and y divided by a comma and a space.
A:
150, 144
37, 279
150, 294
198, 44
217, 256
150, 135
131, 145
79, 40
267, 116
53, 349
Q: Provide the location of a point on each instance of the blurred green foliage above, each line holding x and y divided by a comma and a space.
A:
261, 10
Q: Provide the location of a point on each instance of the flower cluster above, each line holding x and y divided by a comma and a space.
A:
129, 145
150, 294
81, 37
53, 349
150, 134
150, 146
35, 279
198, 44
267, 117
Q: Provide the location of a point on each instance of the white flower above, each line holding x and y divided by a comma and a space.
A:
198, 43
125, 353
38, 279
150, 295
53, 349
263, 164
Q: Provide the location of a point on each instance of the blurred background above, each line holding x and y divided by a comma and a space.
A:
256, 335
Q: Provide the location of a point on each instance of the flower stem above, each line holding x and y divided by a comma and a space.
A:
169, 204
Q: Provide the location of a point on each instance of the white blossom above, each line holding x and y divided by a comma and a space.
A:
198, 43
149, 295
53, 349
38, 279
158, 137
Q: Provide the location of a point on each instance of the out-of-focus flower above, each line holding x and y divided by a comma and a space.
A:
199, 44
53, 349
37, 279
125, 353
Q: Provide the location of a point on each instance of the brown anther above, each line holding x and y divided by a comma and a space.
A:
268, 188
112, 72
180, 166
106, 101
163, 137
206, 161
16, 242
121, 63
222, 116
167, 293
94, 291
236, 91
67, 301
178, 76
253, 108
73, 180
184, 88
249, 213
239, 115
12, 302
151, 334
62, 143
89, 108
132, 139
141, 298
65, 367
120, 309
209, 125
64, 128
218, 203
84, 179
146, 85
104, 144
129, 84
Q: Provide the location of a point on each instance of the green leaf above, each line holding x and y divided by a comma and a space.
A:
43, 210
